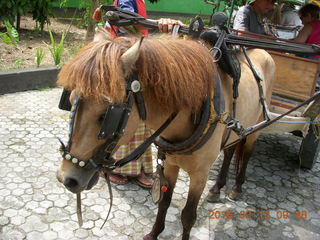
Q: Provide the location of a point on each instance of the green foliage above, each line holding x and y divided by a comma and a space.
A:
39, 56
41, 11
11, 36
55, 49
5, 38
17, 63
81, 4
10, 9
6, 10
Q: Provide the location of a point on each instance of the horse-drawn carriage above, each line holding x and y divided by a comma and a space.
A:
176, 87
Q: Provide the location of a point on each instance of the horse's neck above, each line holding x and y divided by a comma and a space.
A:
180, 128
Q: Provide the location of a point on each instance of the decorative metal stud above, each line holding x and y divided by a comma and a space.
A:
82, 163
68, 156
74, 160
135, 86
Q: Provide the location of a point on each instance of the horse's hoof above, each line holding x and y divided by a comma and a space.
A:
233, 195
213, 197
149, 237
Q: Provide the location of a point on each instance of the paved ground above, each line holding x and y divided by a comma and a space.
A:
33, 205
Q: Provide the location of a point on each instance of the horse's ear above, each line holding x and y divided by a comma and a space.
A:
130, 57
72, 96
101, 35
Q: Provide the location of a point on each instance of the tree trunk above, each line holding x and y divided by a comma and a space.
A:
91, 23
18, 22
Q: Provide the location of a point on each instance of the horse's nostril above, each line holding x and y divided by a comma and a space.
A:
70, 183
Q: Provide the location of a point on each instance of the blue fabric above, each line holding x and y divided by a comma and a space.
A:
129, 5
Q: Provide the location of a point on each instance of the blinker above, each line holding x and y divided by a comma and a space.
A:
115, 119
64, 103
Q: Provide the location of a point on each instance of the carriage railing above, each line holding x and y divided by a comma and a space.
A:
121, 18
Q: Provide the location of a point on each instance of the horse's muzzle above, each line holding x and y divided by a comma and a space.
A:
76, 180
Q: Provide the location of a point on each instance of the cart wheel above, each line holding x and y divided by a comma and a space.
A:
309, 152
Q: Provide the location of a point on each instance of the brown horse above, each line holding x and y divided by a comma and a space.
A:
175, 75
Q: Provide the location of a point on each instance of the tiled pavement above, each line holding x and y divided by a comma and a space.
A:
33, 205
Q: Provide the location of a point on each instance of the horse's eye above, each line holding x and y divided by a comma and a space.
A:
100, 119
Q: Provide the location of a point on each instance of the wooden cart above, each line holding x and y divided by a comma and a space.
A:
295, 81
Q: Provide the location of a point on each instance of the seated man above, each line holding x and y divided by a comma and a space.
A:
249, 18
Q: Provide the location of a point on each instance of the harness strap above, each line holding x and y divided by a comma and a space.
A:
259, 79
143, 147
79, 211
106, 176
211, 110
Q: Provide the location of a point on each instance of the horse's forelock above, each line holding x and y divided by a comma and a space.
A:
95, 71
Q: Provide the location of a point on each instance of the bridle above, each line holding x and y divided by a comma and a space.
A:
112, 129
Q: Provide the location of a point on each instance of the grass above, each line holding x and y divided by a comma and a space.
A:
56, 49
39, 56
18, 64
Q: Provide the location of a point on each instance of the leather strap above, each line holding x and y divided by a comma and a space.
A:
143, 147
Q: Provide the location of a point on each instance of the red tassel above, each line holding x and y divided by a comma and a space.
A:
97, 15
164, 188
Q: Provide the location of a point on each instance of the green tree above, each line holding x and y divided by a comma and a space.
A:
42, 11
12, 10
6, 11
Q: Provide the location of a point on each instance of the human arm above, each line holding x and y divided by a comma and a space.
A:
241, 21
303, 34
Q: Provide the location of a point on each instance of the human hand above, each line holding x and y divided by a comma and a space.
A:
166, 24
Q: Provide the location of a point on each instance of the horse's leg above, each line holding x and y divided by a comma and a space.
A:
214, 192
189, 213
243, 153
171, 174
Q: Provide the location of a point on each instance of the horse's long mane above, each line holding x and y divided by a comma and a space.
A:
174, 73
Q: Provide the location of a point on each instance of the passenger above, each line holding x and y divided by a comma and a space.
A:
310, 33
250, 18
289, 15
